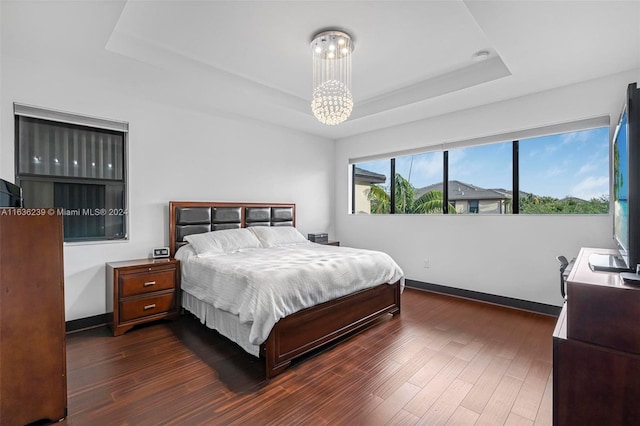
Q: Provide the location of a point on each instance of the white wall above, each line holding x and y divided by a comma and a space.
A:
179, 150
512, 256
176, 152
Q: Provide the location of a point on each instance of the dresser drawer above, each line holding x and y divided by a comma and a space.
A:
147, 306
147, 282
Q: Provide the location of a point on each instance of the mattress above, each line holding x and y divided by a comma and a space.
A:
259, 286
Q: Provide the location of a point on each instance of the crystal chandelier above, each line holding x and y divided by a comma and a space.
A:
332, 102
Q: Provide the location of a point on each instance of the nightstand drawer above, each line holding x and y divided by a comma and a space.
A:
147, 306
147, 282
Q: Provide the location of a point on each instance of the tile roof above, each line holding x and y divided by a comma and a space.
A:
465, 191
366, 176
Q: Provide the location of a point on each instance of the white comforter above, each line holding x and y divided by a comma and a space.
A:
263, 285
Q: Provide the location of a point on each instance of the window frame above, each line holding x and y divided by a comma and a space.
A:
91, 123
514, 138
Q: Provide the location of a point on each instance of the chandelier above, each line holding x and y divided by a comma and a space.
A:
332, 102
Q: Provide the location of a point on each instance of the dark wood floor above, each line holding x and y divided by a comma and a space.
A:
444, 360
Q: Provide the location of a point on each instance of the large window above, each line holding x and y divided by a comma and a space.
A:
371, 187
480, 178
564, 173
76, 169
418, 185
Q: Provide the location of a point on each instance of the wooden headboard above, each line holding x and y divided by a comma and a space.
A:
195, 217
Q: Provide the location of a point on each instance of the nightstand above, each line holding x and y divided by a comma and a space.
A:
332, 243
143, 290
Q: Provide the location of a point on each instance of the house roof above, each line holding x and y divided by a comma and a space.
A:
465, 191
368, 177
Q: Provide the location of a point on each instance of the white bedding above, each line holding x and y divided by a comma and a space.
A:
263, 285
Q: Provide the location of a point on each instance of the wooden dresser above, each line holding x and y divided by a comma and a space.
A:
33, 382
143, 290
596, 349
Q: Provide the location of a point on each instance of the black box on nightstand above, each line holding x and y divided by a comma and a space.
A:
318, 238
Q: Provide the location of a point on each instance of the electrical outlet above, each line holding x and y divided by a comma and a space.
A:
425, 263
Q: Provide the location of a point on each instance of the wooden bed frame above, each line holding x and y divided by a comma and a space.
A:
310, 328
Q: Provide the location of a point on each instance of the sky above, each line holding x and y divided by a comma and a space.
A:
572, 164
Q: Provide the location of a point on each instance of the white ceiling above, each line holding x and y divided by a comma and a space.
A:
412, 59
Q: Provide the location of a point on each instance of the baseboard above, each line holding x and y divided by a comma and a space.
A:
87, 323
525, 305
104, 319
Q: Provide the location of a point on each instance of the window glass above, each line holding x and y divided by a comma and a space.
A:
473, 206
418, 186
79, 171
480, 179
371, 187
566, 173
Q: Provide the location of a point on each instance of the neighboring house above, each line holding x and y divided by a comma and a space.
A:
362, 185
469, 198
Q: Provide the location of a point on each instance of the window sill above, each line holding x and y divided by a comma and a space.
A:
91, 243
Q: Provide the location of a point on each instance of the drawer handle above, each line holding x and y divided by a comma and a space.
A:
149, 283
147, 307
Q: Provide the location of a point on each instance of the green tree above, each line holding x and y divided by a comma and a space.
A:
379, 199
405, 198
431, 202
532, 204
405, 194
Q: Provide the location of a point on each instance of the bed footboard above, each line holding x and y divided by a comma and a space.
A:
311, 328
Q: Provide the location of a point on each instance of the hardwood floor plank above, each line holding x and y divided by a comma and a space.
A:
528, 399
359, 388
296, 408
545, 410
463, 417
535, 346
404, 373
413, 347
430, 369
403, 418
349, 413
212, 411
470, 350
446, 404
436, 386
516, 420
444, 360
482, 390
479, 363
499, 405
389, 408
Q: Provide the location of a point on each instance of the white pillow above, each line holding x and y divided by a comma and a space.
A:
225, 241
273, 236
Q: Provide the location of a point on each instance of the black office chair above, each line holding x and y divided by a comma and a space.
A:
563, 266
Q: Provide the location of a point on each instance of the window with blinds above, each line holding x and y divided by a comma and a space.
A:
77, 166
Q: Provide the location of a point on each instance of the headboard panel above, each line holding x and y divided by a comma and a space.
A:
258, 216
195, 217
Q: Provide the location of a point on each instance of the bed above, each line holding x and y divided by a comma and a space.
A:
316, 312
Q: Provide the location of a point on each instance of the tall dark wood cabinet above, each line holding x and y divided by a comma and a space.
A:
33, 382
596, 349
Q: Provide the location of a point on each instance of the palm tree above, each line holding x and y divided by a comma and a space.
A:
405, 194
431, 202
405, 198
379, 199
